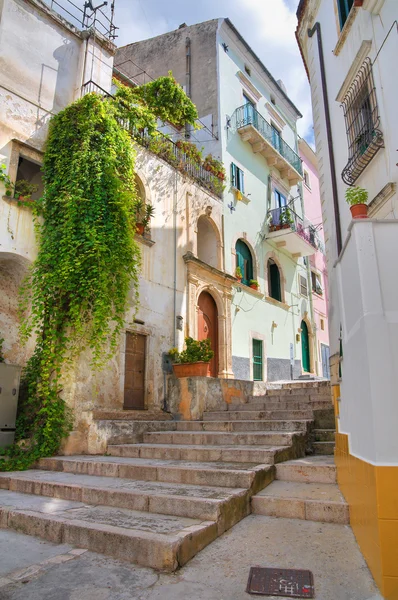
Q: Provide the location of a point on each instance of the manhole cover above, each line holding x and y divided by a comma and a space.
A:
290, 583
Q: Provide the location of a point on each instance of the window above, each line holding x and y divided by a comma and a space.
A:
344, 7
237, 178
362, 123
257, 360
250, 113
303, 286
307, 179
274, 281
30, 176
316, 283
244, 261
280, 199
322, 324
276, 137
248, 70
280, 211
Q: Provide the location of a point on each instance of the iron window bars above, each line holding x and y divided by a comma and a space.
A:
362, 123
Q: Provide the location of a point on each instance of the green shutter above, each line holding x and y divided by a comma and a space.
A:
257, 360
244, 261
275, 281
233, 175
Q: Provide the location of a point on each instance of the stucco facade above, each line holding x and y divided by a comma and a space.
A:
261, 145
318, 274
350, 56
182, 255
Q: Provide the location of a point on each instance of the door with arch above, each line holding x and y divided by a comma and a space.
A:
305, 347
208, 327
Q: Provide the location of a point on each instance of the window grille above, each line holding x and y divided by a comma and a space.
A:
362, 123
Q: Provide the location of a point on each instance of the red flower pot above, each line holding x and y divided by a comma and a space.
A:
140, 228
254, 286
359, 211
197, 369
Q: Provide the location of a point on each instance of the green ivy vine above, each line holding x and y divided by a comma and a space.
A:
76, 294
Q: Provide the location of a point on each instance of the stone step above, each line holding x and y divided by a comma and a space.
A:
325, 418
310, 501
266, 455
233, 426
281, 405
224, 505
131, 415
220, 438
324, 435
222, 474
158, 541
323, 447
249, 415
312, 469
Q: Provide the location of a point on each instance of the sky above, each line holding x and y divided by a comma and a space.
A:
267, 25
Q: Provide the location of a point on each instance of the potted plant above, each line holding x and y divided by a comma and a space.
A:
215, 166
143, 215
194, 360
24, 189
253, 284
238, 273
285, 218
357, 198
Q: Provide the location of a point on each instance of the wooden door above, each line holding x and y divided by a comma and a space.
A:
305, 347
208, 327
134, 374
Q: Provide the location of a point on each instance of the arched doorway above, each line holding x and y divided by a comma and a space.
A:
305, 347
208, 327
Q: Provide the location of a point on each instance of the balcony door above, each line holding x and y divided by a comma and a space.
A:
250, 113
276, 138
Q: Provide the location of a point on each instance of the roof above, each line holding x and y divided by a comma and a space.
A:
264, 68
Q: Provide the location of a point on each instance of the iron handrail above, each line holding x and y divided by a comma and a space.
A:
248, 115
163, 146
284, 217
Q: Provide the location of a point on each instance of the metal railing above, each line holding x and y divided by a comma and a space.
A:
248, 115
285, 218
165, 148
86, 18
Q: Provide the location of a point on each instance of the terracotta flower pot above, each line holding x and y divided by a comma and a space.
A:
220, 175
359, 211
197, 369
140, 228
254, 286
207, 167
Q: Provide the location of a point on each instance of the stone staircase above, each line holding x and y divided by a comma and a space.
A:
165, 489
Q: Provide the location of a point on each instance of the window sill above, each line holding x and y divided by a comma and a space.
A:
144, 240
247, 288
277, 303
344, 32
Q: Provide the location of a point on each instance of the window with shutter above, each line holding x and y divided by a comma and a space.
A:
244, 261
237, 178
303, 286
274, 281
257, 360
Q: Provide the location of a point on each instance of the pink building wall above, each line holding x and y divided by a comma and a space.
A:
313, 212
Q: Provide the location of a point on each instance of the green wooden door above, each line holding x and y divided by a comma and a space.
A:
305, 347
257, 360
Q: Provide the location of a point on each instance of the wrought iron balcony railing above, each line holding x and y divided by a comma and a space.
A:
248, 115
285, 218
166, 149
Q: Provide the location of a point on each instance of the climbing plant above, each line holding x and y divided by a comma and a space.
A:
87, 260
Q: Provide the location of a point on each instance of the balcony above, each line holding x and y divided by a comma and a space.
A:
292, 233
265, 140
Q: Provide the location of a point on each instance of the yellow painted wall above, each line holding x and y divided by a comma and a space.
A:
372, 493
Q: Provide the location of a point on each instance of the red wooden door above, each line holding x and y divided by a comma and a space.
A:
208, 327
134, 373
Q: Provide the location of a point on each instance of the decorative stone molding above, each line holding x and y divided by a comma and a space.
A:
346, 29
276, 260
381, 198
362, 53
373, 6
253, 91
275, 115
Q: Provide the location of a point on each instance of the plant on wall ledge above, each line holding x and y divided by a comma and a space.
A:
143, 215
194, 360
357, 198
5, 180
215, 166
24, 189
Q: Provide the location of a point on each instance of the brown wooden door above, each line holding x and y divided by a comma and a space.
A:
134, 374
208, 327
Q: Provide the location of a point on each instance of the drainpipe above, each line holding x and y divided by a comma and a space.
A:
317, 28
187, 77
175, 257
